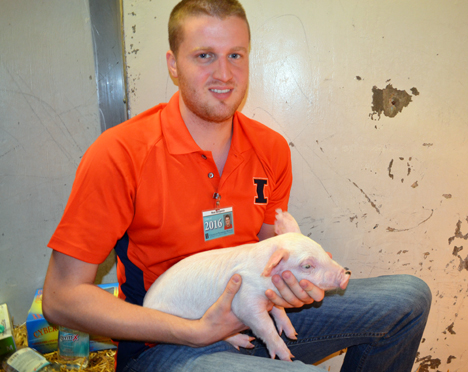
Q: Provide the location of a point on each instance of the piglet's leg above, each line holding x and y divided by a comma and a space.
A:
263, 327
285, 223
240, 340
283, 323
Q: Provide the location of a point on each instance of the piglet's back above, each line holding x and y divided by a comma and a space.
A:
192, 285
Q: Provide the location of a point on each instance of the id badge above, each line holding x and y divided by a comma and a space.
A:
218, 223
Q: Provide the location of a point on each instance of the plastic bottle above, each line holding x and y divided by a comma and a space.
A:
28, 360
73, 348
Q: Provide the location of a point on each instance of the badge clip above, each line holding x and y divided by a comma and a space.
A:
217, 197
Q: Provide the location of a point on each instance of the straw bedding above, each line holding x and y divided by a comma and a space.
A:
99, 361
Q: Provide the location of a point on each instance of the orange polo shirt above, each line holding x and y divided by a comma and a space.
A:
142, 187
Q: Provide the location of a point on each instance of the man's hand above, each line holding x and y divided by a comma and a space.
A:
69, 285
219, 322
293, 293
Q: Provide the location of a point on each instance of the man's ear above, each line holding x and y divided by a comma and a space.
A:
171, 63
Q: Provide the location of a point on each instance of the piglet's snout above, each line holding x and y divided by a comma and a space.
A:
332, 279
336, 279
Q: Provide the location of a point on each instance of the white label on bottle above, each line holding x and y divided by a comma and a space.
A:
27, 360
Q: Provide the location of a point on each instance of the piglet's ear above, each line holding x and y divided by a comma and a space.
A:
285, 223
275, 259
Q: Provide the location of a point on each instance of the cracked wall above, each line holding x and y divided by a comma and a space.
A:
375, 115
371, 100
50, 115
389, 101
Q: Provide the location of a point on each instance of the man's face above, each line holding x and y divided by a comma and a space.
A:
212, 67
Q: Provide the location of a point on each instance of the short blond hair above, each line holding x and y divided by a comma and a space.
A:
215, 8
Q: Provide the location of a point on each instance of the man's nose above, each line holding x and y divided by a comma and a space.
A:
223, 70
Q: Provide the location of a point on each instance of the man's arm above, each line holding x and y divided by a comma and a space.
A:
266, 231
70, 298
293, 293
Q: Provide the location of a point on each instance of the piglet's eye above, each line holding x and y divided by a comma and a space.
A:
307, 267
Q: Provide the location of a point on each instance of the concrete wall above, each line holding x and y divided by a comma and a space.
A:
49, 117
371, 96
382, 189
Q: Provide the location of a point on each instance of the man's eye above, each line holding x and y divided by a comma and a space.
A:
235, 56
204, 55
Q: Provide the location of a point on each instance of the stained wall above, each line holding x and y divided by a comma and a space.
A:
49, 116
371, 97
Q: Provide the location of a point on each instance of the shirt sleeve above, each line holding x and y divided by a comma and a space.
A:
100, 206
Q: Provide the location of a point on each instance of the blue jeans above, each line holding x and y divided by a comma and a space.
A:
379, 320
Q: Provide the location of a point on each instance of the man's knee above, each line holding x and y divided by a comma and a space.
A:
414, 295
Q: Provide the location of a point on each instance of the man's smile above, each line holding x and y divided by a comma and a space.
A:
220, 90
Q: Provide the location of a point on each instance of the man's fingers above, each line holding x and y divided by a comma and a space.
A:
297, 290
306, 291
288, 298
313, 291
292, 292
219, 322
232, 288
276, 300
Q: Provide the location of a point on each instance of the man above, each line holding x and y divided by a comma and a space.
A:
144, 189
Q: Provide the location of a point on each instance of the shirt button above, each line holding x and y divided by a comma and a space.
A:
203, 156
210, 175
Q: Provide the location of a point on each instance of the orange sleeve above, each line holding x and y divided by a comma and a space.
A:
100, 207
275, 155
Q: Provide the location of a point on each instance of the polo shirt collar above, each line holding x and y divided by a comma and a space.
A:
176, 134
180, 141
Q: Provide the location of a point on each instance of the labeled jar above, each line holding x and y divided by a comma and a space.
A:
73, 348
28, 360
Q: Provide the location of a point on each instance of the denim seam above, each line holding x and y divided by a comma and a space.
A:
337, 336
363, 358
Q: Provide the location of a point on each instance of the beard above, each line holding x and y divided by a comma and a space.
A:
198, 104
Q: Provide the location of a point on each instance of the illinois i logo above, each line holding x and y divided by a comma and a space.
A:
260, 184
